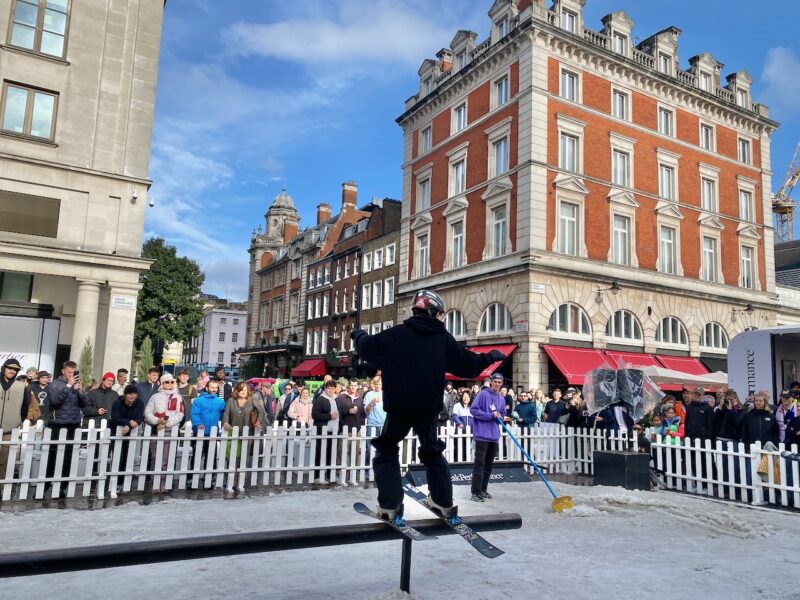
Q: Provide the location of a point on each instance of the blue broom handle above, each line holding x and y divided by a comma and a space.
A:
528, 456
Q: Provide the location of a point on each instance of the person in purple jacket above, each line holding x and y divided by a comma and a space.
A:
487, 407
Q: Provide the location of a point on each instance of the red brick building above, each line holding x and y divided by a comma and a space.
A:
565, 188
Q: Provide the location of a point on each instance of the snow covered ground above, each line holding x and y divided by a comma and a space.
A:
615, 543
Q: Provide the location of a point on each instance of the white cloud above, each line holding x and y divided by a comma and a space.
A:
348, 31
781, 78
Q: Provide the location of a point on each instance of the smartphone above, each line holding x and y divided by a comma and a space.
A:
77, 374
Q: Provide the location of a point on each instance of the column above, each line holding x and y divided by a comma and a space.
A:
85, 316
122, 300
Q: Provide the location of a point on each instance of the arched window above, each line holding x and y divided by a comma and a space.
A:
455, 324
495, 318
570, 318
672, 331
714, 336
624, 325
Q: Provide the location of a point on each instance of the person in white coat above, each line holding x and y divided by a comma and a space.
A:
164, 411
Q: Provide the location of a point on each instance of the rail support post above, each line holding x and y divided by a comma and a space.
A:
405, 567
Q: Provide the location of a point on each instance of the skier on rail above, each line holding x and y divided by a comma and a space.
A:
413, 358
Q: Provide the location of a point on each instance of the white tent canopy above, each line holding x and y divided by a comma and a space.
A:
661, 375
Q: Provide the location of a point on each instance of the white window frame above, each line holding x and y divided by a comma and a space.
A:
499, 312
455, 157
747, 156
425, 139
294, 307
502, 27
627, 320
455, 212
391, 254
574, 317
457, 124
494, 201
575, 128
570, 189
671, 160
388, 291
704, 78
377, 294
388, 325
661, 247
325, 304
619, 43
367, 258
500, 246
710, 273
377, 256
310, 312
575, 95
462, 59
709, 175
323, 341
747, 186
338, 270
665, 63
715, 331
624, 145
327, 275
455, 323
569, 21
346, 268
671, 326
626, 104
366, 296
704, 125
494, 135
336, 302
752, 275
458, 254
742, 98
316, 341
356, 264
495, 100
621, 239
423, 178
375, 328
568, 224
317, 307
309, 343
666, 121
422, 262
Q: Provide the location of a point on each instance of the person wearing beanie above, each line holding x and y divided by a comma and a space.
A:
487, 407
14, 401
100, 401
127, 414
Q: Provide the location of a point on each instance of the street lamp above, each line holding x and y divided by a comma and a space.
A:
613, 288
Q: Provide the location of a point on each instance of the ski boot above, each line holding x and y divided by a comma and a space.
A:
393, 516
448, 513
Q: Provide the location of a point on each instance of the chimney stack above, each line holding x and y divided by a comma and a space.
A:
323, 213
349, 194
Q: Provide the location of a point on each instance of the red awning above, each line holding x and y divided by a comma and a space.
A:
506, 349
574, 363
685, 364
313, 367
637, 360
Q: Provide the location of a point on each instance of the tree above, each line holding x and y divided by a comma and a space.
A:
85, 363
142, 366
169, 307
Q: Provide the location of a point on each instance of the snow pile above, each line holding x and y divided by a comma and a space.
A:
613, 543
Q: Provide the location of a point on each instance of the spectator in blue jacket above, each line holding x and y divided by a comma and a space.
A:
65, 399
525, 413
207, 409
488, 406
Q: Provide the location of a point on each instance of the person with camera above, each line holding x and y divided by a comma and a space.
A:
65, 399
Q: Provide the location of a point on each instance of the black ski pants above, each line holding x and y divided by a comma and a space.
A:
386, 463
485, 453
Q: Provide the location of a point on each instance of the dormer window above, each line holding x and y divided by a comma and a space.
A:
569, 21
620, 43
501, 27
461, 59
704, 81
665, 63
427, 85
741, 98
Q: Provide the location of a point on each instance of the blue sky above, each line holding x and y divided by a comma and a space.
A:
257, 94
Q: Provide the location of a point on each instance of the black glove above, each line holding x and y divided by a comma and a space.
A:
357, 332
496, 355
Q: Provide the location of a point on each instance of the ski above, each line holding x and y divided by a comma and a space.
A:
405, 530
480, 544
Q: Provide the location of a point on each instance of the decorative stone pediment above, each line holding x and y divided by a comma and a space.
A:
711, 221
571, 183
618, 196
422, 221
426, 67
463, 37
667, 208
747, 230
619, 18
501, 5
456, 205
497, 187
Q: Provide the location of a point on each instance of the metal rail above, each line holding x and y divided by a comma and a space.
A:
40, 562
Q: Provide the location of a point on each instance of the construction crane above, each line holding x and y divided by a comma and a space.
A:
782, 203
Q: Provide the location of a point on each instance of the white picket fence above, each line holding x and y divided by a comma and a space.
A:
729, 470
279, 456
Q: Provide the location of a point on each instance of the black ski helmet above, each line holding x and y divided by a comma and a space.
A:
428, 301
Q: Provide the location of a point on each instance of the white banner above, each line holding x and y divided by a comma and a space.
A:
32, 341
750, 363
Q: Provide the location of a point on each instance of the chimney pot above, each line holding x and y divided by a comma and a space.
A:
349, 194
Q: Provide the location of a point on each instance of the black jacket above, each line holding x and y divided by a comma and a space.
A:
413, 358
726, 423
95, 400
699, 422
122, 414
65, 403
793, 432
321, 408
759, 426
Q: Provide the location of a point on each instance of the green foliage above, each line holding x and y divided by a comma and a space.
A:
85, 363
145, 359
169, 306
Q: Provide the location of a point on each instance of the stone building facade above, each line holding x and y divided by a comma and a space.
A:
79, 83
566, 188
